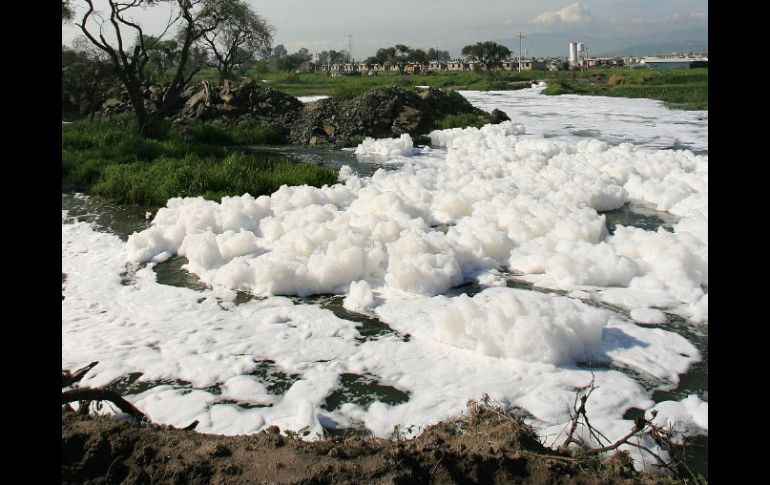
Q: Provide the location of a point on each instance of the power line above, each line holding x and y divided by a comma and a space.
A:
520, 36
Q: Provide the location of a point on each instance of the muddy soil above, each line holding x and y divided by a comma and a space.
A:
481, 447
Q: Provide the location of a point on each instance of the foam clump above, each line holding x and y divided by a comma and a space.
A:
455, 137
360, 297
687, 417
505, 322
386, 147
529, 203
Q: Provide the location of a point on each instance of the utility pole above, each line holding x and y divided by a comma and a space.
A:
350, 48
520, 36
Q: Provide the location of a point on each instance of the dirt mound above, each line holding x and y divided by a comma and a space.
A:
483, 446
380, 113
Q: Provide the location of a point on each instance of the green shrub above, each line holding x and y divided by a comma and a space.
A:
462, 120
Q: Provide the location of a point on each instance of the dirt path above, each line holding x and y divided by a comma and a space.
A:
481, 447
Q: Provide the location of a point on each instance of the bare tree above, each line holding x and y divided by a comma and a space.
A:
130, 61
234, 34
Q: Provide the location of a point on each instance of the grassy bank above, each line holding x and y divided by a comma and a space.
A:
678, 88
108, 158
343, 87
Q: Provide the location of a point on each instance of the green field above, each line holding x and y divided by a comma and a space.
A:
110, 159
679, 88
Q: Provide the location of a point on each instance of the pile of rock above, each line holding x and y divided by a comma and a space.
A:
380, 113
237, 101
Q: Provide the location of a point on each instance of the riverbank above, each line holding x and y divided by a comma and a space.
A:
485, 445
202, 149
108, 158
678, 88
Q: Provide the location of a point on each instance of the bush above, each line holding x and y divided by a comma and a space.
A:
462, 120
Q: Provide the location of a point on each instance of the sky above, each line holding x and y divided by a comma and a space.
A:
451, 24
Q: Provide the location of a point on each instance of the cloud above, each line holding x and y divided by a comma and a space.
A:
571, 14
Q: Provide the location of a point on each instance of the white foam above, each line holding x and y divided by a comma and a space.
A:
648, 315
360, 297
497, 199
688, 417
311, 99
386, 147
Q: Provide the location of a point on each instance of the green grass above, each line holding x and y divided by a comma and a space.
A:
344, 87
462, 120
108, 158
678, 88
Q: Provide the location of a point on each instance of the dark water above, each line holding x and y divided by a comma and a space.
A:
365, 389
331, 158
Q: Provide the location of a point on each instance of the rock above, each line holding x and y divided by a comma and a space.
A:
497, 117
112, 103
380, 113
195, 99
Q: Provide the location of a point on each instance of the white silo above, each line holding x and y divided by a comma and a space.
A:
581, 53
572, 53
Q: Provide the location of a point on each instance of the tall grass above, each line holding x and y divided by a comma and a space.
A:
238, 173
678, 88
106, 157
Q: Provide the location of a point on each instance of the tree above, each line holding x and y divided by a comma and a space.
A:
490, 55
292, 62
279, 51
417, 55
87, 77
130, 61
438, 55
163, 56
233, 33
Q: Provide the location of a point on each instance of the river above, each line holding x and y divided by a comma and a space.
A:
516, 262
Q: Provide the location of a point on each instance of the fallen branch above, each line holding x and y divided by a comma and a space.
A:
68, 378
88, 394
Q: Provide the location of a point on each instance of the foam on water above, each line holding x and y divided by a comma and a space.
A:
505, 200
643, 122
311, 99
386, 147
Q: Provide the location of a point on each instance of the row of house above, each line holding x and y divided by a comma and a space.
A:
418, 68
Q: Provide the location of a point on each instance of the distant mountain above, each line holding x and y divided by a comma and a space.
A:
661, 48
557, 45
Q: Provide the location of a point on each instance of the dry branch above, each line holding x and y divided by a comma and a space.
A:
68, 378
88, 394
